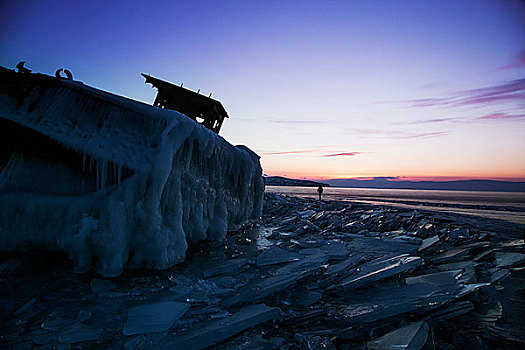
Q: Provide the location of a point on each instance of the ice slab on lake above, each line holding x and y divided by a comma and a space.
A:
276, 255
411, 337
509, 259
208, 333
154, 317
379, 269
283, 278
438, 278
109, 180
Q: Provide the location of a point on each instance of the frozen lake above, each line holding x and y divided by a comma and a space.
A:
509, 206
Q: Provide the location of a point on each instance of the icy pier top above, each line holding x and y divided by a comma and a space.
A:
109, 180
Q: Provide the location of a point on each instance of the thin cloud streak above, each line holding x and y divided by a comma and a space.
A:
436, 120
318, 149
421, 135
508, 92
492, 116
502, 116
345, 154
519, 63
397, 134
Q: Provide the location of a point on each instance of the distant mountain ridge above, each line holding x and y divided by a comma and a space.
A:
284, 181
460, 185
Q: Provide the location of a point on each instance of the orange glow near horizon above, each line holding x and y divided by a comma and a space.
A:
397, 178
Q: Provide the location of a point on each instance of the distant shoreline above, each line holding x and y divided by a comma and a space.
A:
391, 184
284, 181
428, 189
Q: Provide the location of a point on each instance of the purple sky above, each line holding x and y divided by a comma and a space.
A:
319, 89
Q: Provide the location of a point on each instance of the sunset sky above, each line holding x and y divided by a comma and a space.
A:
319, 89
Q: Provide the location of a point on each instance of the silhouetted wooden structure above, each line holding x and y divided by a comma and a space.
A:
203, 109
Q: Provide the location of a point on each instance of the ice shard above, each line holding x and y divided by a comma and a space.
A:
109, 180
410, 337
153, 317
211, 332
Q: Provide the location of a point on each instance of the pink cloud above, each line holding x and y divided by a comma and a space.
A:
519, 63
436, 120
317, 149
394, 134
502, 116
508, 92
421, 135
347, 154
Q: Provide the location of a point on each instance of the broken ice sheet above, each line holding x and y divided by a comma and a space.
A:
380, 268
341, 268
460, 253
513, 244
40, 337
438, 278
485, 255
57, 324
415, 298
232, 266
276, 255
460, 265
372, 245
335, 250
306, 213
458, 234
468, 276
490, 315
466, 289
284, 277
154, 317
78, 333
452, 255
509, 259
304, 297
498, 275
428, 242
452, 310
407, 239
211, 332
309, 242
410, 337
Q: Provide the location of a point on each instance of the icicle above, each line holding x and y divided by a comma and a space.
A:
189, 154
101, 175
103, 171
98, 175
119, 175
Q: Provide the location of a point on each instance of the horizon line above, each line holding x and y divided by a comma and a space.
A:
408, 178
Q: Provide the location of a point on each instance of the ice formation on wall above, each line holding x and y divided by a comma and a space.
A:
109, 180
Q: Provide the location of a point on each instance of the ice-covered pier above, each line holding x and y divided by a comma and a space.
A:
111, 181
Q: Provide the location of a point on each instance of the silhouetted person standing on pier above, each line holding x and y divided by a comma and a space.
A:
320, 191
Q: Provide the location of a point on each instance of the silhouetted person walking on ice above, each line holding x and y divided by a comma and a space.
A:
320, 191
